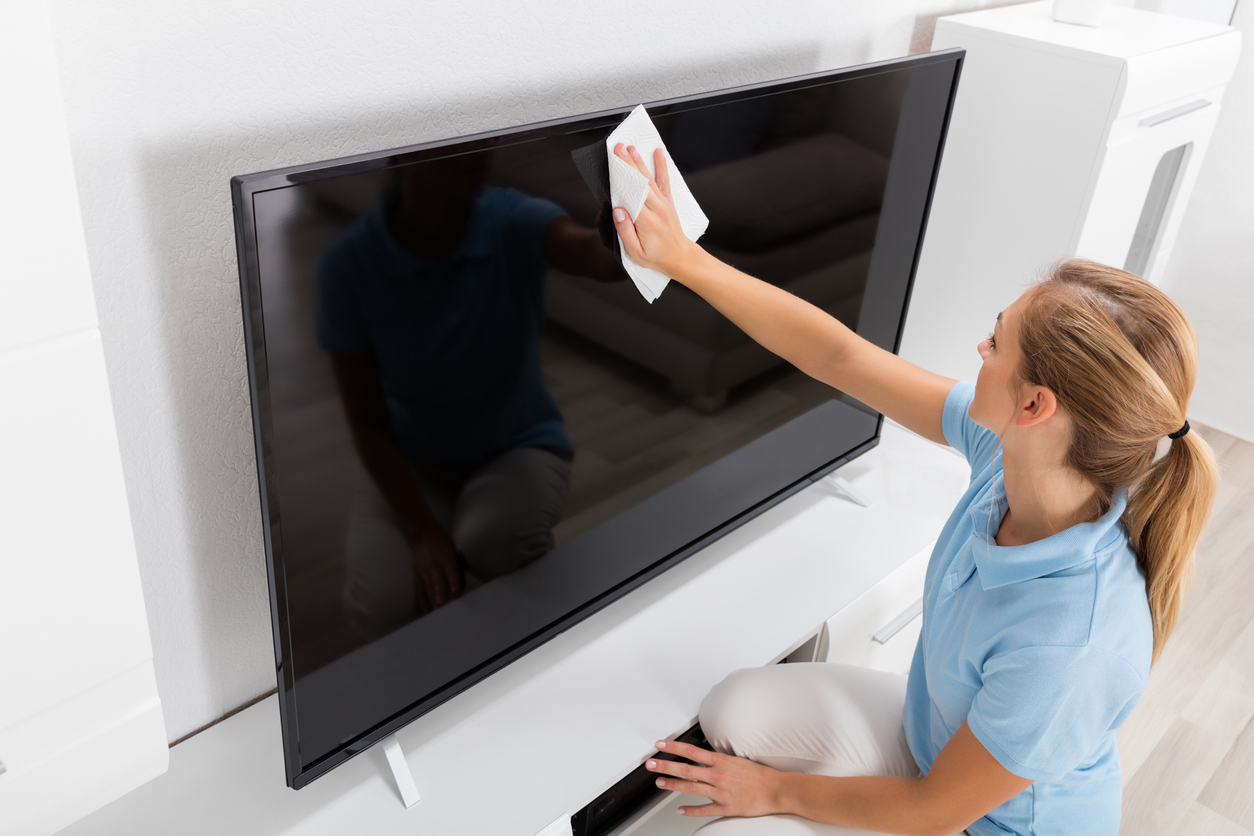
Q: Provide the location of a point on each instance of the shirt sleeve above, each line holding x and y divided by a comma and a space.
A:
1043, 711
529, 217
974, 442
340, 324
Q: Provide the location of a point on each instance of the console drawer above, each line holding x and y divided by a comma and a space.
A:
879, 628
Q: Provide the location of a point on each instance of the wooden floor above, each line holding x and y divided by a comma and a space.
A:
1188, 749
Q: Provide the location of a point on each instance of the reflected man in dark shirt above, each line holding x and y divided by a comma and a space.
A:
431, 307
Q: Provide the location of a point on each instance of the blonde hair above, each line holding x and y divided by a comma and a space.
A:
1121, 358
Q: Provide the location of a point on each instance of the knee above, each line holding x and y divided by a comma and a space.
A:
495, 547
735, 706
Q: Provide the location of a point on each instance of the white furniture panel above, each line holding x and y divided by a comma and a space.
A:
549, 733
45, 287
1175, 74
1130, 164
81, 753
1056, 135
71, 584
80, 721
860, 633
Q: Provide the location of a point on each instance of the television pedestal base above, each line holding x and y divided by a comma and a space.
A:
847, 491
400, 771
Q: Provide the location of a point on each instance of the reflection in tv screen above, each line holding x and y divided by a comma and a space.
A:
470, 407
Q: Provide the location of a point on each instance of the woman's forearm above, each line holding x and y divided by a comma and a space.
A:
884, 804
965, 782
809, 338
816, 342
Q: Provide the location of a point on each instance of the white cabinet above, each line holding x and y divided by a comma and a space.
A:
1064, 140
80, 719
879, 628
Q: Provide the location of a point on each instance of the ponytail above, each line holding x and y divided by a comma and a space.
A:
1121, 358
1165, 517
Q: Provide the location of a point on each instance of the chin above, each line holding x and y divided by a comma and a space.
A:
976, 414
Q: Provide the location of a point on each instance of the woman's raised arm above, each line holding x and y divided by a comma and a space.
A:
809, 338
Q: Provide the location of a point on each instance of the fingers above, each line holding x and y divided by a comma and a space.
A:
638, 162
452, 575
686, 750
663, 175
423, 589
627, 231
659, 188
630, 154
689, 787
437, 587
679, 770
702, 810
431, 584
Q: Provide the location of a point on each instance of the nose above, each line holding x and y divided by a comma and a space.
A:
982, 348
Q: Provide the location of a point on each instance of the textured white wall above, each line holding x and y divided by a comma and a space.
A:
167, 100
1211, 271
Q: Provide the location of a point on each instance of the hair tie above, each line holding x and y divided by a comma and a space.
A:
1180, 432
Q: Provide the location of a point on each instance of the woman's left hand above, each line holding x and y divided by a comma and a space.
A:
735, 786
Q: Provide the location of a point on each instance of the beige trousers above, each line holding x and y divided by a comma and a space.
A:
820, 718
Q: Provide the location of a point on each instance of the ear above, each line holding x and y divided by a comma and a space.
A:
1038, 405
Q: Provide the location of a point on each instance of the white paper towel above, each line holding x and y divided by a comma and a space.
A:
629, 189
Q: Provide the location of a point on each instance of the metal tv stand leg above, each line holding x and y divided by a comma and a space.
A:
400, 771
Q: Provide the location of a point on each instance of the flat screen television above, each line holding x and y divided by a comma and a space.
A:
473, 432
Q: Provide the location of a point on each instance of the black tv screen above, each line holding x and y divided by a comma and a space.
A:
473, 432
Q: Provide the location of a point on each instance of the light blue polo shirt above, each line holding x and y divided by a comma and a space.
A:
1043, 649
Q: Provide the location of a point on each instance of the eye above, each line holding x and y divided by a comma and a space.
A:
992, 341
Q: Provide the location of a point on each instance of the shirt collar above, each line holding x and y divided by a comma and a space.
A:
1002, 565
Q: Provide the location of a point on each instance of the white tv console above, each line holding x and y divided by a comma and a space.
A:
521, 751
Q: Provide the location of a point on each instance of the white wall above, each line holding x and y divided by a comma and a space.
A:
1211, 271
166, 100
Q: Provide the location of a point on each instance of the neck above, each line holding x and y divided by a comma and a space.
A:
429, 230
1044, 496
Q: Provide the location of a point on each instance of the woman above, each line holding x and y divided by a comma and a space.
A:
1053, 586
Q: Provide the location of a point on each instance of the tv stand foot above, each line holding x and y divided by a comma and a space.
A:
846, 490
400, 771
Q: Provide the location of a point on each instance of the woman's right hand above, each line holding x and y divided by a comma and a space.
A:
437, 577
806, 336
655, 239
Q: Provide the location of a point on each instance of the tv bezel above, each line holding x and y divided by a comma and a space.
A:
245, 187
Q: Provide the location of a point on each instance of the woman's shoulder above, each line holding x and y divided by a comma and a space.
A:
1122, 624
1098, 605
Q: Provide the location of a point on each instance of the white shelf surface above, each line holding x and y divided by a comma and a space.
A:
541, 738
